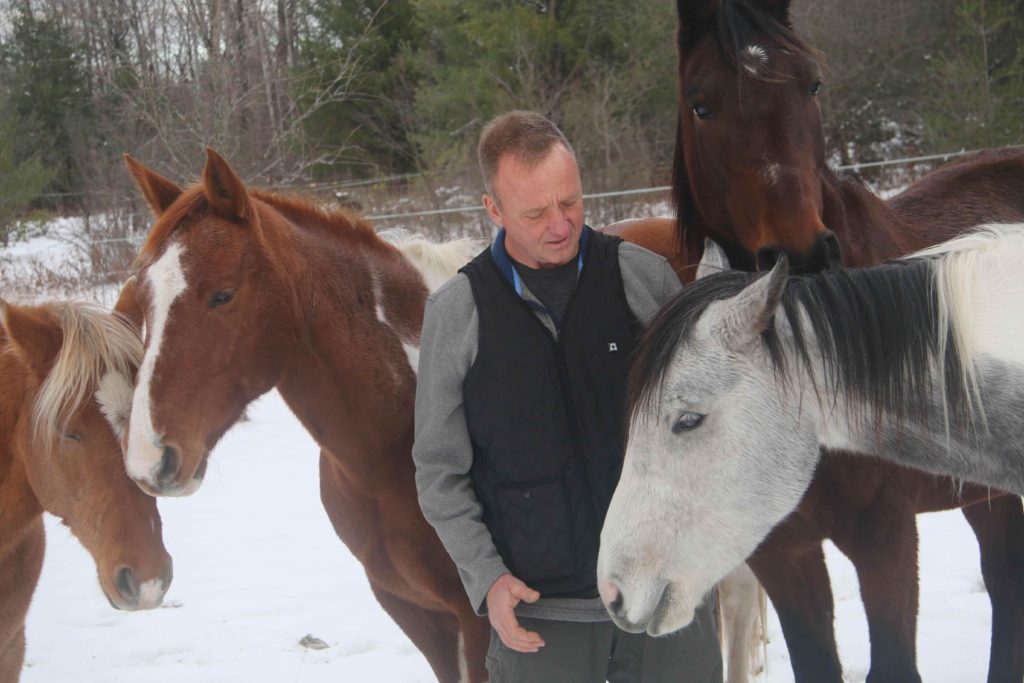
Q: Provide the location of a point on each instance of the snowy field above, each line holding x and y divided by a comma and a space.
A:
257, 567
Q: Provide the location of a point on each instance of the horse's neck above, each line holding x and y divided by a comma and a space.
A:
868, 229
351, 380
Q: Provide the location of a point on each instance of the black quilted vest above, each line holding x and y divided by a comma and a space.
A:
545, 417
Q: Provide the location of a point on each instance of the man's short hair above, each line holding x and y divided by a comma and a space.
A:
526, 135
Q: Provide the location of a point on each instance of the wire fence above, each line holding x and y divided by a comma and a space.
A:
109, 255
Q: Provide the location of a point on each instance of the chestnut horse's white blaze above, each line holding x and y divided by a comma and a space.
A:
742, 380
166, 283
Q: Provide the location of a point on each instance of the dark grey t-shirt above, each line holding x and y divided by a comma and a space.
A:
553, 287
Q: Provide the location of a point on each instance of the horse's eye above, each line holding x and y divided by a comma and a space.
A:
222, 297
71, 436
701, 111
816, 87
686, 422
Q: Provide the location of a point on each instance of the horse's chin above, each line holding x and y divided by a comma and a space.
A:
670, 614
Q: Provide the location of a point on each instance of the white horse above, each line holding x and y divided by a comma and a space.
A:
743, 378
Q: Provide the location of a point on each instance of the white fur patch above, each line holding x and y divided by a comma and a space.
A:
770, 172
754, 56
151, 594
166, 280
114, 397
413, 354
463, 664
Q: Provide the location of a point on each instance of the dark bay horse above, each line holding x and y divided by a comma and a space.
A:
65, 393
243, 291
750, 172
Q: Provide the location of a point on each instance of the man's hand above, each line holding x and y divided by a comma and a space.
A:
502, 598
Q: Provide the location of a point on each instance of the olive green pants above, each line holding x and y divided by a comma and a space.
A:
595, 652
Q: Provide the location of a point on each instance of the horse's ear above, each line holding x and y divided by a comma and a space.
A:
745, 316
714, 259
128, 306
695, 18
159, 192
35, 339
224, 189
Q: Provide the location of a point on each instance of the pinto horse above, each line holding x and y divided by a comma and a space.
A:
750, 172
742, 379
65, 392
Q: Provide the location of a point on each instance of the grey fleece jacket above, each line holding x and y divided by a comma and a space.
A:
442, 450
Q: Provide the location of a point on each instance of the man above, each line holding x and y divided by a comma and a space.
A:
519, 414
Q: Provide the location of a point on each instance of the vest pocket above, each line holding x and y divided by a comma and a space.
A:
536, 523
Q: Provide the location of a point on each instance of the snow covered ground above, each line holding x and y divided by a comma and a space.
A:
257, 567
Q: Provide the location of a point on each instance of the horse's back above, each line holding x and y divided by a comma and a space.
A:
985, 187
656, 234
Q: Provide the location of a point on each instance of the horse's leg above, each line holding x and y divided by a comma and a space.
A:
19, 574
435, 634
883, 549
797, 583
739, 601
12, 655
447, 632
999, 526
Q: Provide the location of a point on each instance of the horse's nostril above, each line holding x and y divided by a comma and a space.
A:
616, 605
168, 466
766, 258
126, 584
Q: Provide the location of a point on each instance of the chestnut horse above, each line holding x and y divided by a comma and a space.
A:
244, 291
750, 172
66, 371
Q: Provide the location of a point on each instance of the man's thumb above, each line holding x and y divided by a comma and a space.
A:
525, 593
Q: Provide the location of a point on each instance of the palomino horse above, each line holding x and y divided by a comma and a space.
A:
66, 371
750, 172
741, 381
244, 291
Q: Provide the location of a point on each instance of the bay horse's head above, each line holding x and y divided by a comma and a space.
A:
217, 313
750, 147
68, 372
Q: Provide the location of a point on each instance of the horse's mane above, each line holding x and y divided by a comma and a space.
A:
95, 342
436, 261
876, 330
297, 209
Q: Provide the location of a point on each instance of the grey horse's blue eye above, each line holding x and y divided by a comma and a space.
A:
686, 422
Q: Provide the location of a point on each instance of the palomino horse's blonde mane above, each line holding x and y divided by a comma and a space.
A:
96, 342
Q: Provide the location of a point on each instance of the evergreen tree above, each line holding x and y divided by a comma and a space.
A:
46, 97
976, 98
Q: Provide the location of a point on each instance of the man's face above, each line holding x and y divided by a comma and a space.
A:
540, 207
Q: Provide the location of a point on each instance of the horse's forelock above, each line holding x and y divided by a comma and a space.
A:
95, 342
738, 21
670, 328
